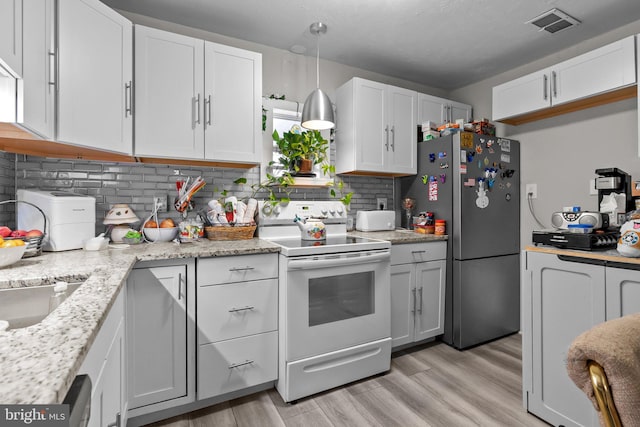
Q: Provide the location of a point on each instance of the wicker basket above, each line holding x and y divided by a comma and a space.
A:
34, 244
228, 232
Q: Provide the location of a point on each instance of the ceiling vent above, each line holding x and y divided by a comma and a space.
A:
553, 21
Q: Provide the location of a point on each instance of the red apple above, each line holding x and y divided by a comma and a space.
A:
18, 233
33, 233
5, 231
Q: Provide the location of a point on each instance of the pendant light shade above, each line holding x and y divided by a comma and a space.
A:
317, 112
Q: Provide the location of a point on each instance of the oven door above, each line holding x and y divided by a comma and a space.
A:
335, 301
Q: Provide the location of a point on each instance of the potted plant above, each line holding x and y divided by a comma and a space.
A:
301, 150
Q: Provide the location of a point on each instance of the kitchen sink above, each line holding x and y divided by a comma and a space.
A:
23, 307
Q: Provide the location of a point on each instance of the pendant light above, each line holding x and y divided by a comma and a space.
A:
317, 112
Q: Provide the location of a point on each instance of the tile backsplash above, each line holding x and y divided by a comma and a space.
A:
137, 184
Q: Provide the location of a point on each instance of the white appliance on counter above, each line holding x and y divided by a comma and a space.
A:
71, 217
376, 220
334, 300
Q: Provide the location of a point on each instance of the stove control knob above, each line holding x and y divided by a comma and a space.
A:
339, 210
266, 209
323, 211
276, 210
332, 211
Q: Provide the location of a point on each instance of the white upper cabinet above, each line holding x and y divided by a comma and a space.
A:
11, 35
38, 71
597, 72
169, 87
232, 104
196, 99
376, 129
440, 110
95, 76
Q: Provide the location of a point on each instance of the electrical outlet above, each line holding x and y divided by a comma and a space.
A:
531, 191
381, 203
160, 203
592, 188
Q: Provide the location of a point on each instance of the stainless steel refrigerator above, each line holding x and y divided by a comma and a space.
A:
473, 182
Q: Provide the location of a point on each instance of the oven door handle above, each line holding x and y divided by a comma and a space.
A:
336, 262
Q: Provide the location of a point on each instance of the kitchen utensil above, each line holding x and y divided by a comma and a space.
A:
311, 228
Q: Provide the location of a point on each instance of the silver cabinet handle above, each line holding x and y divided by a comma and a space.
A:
195, 113
393, 138
52, 68
179, 286
386, 132
235, 310
413, 291
241, 268
419, 252
207, 110
116, 423
420, 292
553, 83
545, 85
237, 365
127, 99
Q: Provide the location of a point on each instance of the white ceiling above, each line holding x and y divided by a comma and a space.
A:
439, 43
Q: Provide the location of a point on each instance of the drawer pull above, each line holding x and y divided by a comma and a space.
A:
235, 310
237, 365
241, 268
419, 252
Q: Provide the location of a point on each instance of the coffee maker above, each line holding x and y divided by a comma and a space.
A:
614, 180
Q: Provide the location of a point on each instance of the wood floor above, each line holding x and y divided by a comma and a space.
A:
430, 385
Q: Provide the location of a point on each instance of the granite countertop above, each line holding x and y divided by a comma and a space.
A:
610, 255
38, 363
397, 237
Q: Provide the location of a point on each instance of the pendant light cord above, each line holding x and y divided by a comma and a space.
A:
318, 60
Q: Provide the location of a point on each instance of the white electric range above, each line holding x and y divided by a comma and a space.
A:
334, 300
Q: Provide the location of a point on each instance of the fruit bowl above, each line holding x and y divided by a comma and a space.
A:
11, 255
160, 234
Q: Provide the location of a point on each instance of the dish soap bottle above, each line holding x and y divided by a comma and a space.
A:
59, 295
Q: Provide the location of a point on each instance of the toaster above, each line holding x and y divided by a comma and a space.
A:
375, 220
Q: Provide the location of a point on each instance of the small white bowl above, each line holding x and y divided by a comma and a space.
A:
11, 255
160, 234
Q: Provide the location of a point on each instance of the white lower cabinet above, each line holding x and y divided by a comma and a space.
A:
418, 277
561, 298
237, 323
161, 335
105, 365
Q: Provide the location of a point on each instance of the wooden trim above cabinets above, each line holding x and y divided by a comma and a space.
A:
570, 107
189, 162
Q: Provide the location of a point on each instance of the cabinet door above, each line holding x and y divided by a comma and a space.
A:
11, 35
38, 67
601, 70
169, 94
430, 282
430, 108
522, 95
567, 298
403, 145
112, 385
232, 101
458, 110
372, 129
157, 334
95, 76
403, 304
623, 292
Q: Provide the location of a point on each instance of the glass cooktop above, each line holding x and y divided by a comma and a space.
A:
332, 244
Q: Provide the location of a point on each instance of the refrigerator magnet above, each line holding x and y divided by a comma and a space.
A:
444, 165
482, 201
479, 149
471, 182
443, 178
470, 155
433, 191
463, 169
463, 156
466, 140
425, 179
432, 157
505, 158
442, 154
505, 145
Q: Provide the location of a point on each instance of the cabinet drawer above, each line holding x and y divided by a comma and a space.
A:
236, 364
418, 252
237, 309
241, 268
